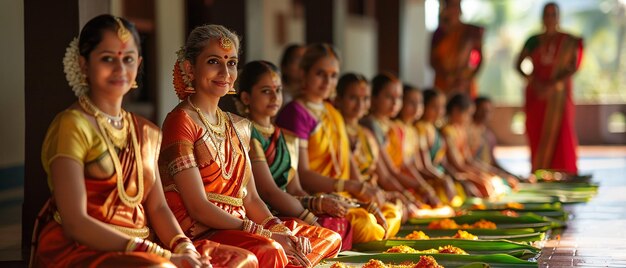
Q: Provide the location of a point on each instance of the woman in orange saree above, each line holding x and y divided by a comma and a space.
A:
455, 51
549, 103
101, 166
274, 160
206, 171
325, 162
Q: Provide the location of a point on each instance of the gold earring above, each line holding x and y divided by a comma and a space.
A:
231, 91
134, 85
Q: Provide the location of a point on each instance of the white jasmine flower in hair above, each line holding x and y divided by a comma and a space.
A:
75, 78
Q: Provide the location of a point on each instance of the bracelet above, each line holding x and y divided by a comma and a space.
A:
371, 208
281, 229
185, 247
179, 238
339, 185
268, 219
253, 228
141, 245
317, 204
363, 189
271, 222
308, 217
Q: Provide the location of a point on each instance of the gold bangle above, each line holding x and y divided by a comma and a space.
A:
265, 233
175, 238
268, 219
362, 190
339, 185
132, 244
166, 254
184, 247
280, 228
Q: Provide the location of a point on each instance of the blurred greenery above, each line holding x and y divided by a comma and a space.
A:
601, 23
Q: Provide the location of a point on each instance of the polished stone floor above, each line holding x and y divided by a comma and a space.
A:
595, 237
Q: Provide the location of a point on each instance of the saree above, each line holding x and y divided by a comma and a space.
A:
71, 135
481, 142
457, 53
329, 155
365, 151
390, 137
434, 143
281, 157
188, 145
550, 120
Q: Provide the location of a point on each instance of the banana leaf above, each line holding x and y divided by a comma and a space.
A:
552, 210
516, 235
527, 220
470, 246
559, 214
446, 260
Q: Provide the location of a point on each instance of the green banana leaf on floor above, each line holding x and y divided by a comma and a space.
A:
516, 235
526, 220
552, 210
446, 260
480, 247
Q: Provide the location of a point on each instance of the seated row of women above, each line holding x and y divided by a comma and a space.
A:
216, 189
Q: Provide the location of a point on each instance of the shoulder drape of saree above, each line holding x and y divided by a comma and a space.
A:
329, 147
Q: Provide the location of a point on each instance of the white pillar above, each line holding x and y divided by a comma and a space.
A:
170, 36
414, 44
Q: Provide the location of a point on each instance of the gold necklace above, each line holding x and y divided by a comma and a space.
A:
317, 109
126, 199
221, 157
116, 129
267, 131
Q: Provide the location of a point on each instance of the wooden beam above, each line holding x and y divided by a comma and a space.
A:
388, 17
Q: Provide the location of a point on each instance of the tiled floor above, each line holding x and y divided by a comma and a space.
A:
596, 233
595, 237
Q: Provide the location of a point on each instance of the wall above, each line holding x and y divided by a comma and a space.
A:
12, 83
414, 44
360, 40
170, 34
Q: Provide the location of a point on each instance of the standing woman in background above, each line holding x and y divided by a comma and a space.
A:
101, 166
204, 160
549, 106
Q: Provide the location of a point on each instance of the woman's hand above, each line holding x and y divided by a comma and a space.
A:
191, 260
296, 248
371, 193
334, 207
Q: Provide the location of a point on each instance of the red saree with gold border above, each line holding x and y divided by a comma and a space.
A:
550, 120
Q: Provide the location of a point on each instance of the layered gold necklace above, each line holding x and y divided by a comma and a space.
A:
217, 135
266, 131
113, 138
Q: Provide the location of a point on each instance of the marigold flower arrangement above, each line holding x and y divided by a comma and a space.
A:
181, 80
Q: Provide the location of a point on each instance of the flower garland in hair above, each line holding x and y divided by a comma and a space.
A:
182, 80
75, 78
